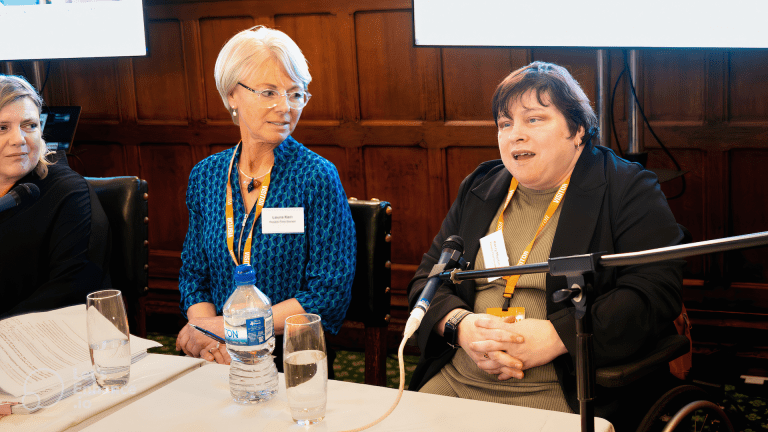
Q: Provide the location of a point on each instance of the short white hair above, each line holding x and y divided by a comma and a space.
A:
251, 48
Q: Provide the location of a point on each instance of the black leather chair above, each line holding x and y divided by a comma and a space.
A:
371, 296
124, 200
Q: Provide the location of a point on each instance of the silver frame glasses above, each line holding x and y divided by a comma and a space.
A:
267, 103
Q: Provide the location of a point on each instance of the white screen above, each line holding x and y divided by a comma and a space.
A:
592, 23
71, 30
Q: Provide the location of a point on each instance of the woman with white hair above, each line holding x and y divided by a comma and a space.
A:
262, 77
54, 236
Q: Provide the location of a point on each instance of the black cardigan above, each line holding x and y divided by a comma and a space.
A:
611, 205
54, 251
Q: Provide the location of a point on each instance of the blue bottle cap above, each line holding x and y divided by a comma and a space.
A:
244, 275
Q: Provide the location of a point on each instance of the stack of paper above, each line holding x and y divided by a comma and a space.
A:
44, 358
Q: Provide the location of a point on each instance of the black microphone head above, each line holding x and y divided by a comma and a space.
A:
454, 242
30, 189
25, 192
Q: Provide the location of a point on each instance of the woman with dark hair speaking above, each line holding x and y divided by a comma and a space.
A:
262, 78
553, 193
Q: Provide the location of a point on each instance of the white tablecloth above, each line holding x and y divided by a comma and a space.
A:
200, 401
153, 371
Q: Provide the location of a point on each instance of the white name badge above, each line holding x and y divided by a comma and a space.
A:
282, 220
494, 251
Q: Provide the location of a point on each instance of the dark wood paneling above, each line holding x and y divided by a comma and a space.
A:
214, 33
689, 208
388, 64
461, 163
749, 208
401, 176
315, 35
471, 76
98, 159
675, 85
166, 168
747, 85
161, 81
93, 85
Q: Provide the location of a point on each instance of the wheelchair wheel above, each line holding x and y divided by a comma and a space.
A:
669, 404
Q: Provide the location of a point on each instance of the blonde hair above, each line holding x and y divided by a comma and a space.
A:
13, 88
251, 48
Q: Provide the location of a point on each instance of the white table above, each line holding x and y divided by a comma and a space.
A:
200, 401
149, 373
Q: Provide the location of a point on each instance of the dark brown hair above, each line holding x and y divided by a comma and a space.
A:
560, 88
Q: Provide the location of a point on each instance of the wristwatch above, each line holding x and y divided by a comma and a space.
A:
451, 331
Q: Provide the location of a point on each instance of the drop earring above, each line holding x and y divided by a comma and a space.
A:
234, 112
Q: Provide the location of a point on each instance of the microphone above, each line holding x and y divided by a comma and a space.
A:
453, 248
22, 192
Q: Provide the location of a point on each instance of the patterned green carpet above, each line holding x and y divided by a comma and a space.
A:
745, 404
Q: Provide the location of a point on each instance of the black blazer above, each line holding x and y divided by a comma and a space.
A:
611, 205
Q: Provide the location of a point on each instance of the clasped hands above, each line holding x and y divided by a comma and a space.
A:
502, 347
196, 344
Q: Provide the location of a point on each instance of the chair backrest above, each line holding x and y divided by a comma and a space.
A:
124, 200
371, 296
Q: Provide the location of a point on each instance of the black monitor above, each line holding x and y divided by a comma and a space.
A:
59, 124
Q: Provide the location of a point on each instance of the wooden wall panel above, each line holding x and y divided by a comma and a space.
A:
98, 159
462, 161
471, 76
749, 208
675, 85
315, 35
161, 80
214, 33
401, 176
93, 85
390, 87
747, 85
166, 168
689, 208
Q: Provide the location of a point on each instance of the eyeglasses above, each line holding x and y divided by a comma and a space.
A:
269, 98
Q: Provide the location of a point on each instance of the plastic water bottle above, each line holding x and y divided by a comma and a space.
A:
250, 335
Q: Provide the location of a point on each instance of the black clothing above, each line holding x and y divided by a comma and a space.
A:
611, 205
53, 251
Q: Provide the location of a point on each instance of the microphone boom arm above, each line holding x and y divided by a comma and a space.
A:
574, 268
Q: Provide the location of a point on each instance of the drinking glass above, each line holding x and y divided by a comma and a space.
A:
108, 340
306, 368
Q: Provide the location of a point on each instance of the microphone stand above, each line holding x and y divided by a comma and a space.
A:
578, 271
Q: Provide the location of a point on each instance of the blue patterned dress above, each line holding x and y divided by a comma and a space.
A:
316, 267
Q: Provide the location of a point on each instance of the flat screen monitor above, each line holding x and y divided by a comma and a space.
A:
59, 124
62, 29
591, 23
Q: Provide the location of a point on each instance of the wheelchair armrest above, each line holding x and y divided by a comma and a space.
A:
666, 350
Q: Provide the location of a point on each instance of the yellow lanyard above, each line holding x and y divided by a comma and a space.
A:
230, 215
509, 290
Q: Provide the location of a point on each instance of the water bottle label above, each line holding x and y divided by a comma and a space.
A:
256, 331
236, 335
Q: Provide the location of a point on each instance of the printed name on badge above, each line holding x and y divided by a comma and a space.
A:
494, 252
282, 220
